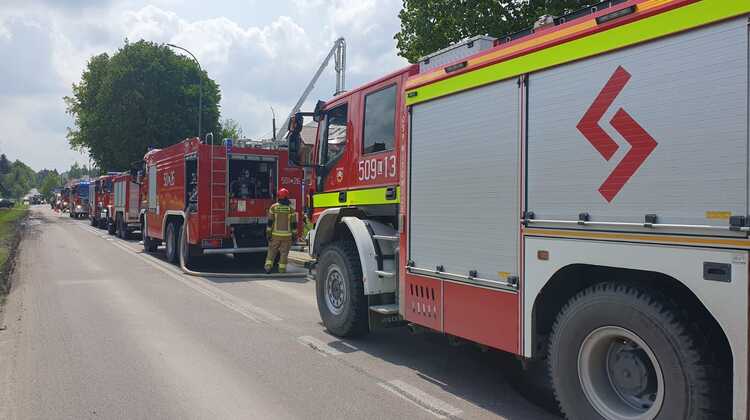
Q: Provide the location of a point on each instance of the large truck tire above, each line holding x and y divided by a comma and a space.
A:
172, 242
624, 352
186, 259
340, 290
122, 229
149, 245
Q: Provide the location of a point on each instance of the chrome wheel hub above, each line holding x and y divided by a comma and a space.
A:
335, 290
620, 375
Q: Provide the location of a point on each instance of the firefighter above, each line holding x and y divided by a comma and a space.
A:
244, 186
282, 225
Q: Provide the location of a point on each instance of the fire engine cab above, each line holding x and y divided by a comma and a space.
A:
100, 204
79, 199
575, 194
213, 199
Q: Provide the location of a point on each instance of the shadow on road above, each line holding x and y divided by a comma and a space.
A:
481, 377
465, 370
229, 265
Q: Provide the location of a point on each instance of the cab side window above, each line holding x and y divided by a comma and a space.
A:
380, 120
334, 134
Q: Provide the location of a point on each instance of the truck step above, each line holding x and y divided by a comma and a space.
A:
386, 238
389, 309
386, 274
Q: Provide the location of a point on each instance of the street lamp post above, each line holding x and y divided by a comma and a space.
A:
200, 87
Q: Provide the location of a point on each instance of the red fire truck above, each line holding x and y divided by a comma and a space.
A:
64, 200
100, 203
126, 199
193, 193
79, 199
574, 194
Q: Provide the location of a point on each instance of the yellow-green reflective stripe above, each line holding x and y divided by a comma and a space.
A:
370, 196
673, 21
282, 234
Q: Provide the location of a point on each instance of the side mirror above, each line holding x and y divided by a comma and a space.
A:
319, 106
295, 139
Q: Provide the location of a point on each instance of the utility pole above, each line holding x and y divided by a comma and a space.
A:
200, 87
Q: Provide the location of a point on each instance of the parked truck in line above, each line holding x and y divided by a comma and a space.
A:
126, 200
63, 199
78, 205
213, 198
100, 203
575, 194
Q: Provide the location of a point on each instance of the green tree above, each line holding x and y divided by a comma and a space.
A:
4, 164
19, 180
75, 171
144, 95
50, 181
230, 129
430, 25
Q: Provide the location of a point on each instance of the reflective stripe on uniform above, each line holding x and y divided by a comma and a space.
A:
282, 219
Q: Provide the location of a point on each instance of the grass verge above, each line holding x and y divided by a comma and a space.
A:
10, 236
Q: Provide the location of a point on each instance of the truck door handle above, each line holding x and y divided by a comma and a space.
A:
342, 197
717, 272
390, 193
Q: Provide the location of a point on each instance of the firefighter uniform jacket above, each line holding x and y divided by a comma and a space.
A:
282, 219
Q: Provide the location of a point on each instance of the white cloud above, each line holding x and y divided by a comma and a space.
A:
259, 65
34, 128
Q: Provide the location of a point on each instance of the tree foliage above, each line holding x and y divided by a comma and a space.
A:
144, 95
77, 171
4, 164
430, 25
49, 181
18, 180
230, 129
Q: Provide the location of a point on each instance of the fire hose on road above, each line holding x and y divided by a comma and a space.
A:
183, 264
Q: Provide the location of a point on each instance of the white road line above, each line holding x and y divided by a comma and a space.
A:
318, 345
421, 399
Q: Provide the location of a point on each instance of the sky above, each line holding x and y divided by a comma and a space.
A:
261, 53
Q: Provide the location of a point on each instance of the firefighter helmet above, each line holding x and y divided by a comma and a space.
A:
283, 193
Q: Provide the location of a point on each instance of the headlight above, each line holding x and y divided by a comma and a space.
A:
79, 208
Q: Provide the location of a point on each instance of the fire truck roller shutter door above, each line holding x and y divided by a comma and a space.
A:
464, 167
660, 128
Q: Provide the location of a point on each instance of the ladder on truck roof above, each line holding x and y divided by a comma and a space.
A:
338, 53
219, 205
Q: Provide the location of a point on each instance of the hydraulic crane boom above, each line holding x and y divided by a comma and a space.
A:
338, 52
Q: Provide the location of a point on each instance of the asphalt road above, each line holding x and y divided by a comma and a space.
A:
97, 329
